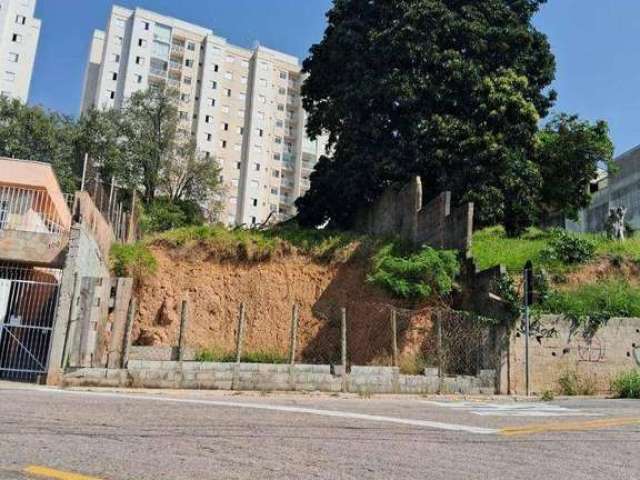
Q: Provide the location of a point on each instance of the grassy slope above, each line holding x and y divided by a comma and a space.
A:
492, 247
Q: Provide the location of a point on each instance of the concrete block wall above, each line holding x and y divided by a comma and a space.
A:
270, 377
401, 212
613, 349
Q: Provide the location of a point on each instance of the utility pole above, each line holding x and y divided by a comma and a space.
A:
528, 300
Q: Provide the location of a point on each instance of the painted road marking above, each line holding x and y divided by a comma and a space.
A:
55, 474
515, 409
288, 409
601, 424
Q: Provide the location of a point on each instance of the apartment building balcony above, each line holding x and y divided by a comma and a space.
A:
175, 66
177, 52
35, 219
158, 72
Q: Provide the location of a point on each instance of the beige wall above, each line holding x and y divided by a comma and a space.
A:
35, 175
614, 348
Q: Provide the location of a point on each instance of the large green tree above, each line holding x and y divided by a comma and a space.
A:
451, 90
32, 133
570, 152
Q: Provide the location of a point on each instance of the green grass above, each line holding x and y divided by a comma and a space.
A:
259, 245
492, 247
221, 356
132, 260
627, 385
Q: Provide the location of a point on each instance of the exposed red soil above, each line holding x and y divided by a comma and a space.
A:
269, 289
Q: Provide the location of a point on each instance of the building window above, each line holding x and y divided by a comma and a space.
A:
228, 76
223, 144
256, 167
254, 203
141, 43
138, 78
112, 94
276, 156
114, 75
146, 25
262, 99
188, 63
191, 46
13, 57
279, 123
209, 137
17, 38
240, 131
228, 92
185, 97
254, 220
139, 60
216, 68
260, 132
207, 119
21, 19
184, 116
214, 85
224, 126
187, 80
120, 22
274, 191
283, 75
276, 173
9, 76
116, 58
280, 107
119, 40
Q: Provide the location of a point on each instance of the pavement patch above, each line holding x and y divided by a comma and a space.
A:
600, 424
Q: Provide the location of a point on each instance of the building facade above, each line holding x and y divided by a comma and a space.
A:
19, 34
622, 189
243, 106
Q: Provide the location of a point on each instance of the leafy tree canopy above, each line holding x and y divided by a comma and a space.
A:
451, 90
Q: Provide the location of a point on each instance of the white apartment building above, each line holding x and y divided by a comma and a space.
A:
243, 106
19, 34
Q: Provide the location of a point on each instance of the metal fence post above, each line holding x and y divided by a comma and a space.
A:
184, 324
127, 334
394, 335
294, 335
240, 337
343, 348
440, 369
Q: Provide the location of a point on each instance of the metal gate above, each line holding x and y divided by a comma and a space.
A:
28, 301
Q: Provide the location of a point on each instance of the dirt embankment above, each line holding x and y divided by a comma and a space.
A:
269, 290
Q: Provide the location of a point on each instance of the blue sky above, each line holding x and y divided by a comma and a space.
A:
595, 42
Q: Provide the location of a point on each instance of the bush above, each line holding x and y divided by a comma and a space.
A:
572, 384
416, 276
133, 260
569, 248
215, 355
627, 385
547, 396
162, 215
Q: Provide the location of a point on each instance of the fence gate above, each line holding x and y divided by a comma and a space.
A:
28, 301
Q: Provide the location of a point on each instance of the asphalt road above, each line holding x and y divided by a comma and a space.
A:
75, 435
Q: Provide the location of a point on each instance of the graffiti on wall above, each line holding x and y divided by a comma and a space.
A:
592, 350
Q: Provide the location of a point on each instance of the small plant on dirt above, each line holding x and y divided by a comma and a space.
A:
571, 384
132, 260
547, 396
416, 276
627, 385
568, 248
265, 356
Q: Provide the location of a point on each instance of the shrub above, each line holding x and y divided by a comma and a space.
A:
416, 276
572, 384
412, 364
627, 385
547, 396
568, 248
162, 215
133, 260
